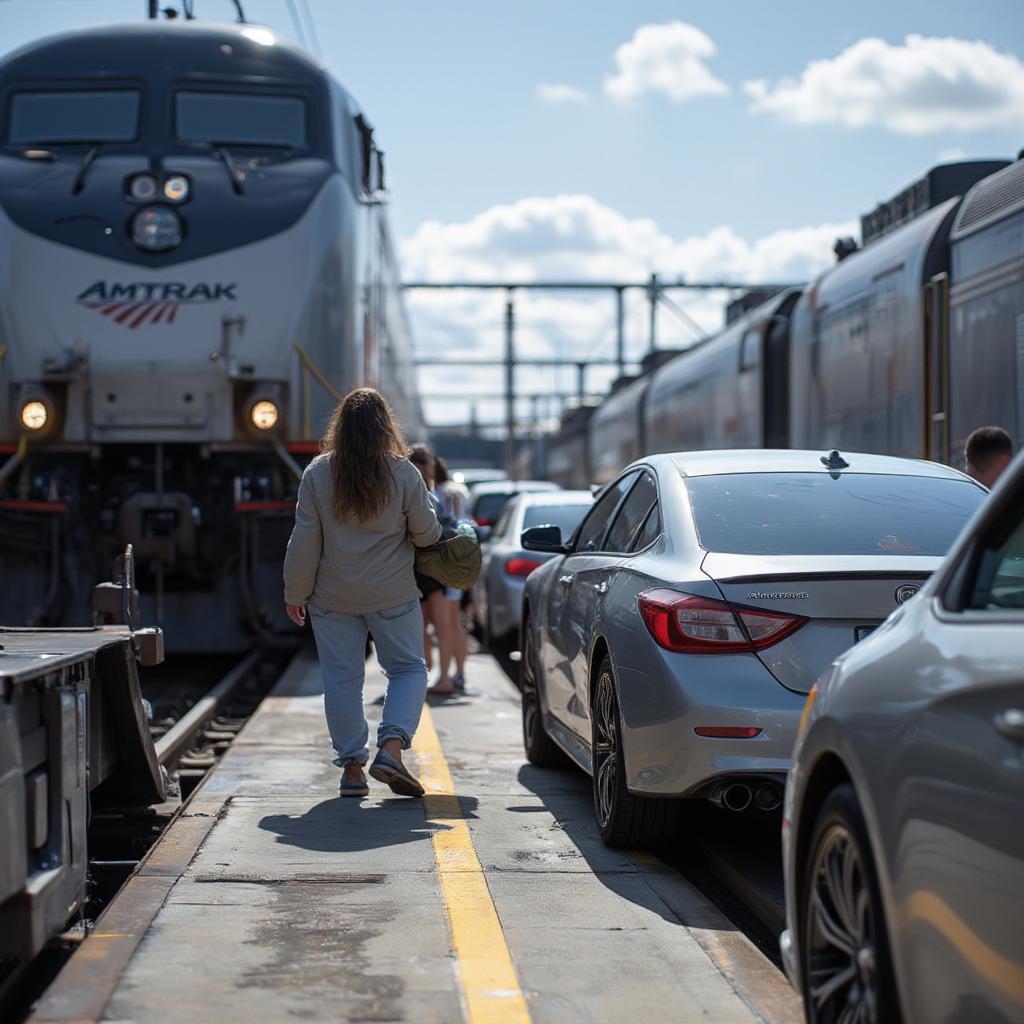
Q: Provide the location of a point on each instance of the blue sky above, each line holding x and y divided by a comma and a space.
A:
662, 155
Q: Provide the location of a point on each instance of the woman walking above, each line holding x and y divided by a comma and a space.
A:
362, 509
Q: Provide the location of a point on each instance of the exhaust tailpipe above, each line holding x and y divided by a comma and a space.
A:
768, 797
736, 796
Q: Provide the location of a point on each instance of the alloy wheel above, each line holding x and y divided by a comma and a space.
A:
841, 935
606, 747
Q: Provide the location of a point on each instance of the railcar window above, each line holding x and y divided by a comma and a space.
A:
814, 514
89, 115
240, 119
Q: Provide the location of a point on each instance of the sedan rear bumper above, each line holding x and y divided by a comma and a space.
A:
679, 693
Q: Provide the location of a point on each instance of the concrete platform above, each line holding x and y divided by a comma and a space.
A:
271, 899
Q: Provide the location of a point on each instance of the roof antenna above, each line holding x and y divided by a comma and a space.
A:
834, 460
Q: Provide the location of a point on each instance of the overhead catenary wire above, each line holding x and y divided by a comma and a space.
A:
300, 29
311, 24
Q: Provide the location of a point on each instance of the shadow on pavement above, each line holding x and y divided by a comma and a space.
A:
347, 825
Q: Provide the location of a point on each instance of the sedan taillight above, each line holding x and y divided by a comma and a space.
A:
700, 625
521, 566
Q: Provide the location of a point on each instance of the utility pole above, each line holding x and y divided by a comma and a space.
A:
652, 295
620, 331
581, 381
510, 377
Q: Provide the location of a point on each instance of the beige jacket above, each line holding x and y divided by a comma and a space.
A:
357, 566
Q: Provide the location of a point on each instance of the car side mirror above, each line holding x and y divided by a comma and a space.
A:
544, 538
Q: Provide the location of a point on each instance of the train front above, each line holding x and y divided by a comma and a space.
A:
178, 259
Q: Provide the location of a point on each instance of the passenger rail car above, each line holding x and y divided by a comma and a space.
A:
903, 347
196, 262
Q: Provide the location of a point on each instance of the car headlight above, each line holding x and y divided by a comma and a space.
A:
156, 229
34, 415
264, 414
176, 188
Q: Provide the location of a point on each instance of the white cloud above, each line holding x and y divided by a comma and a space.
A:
664, 58
575, 237
927, 85
559, 92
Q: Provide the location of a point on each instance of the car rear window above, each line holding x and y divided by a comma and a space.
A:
489, 506
816, 514
565, 517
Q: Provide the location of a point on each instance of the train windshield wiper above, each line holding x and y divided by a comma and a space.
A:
225, 158
83, 168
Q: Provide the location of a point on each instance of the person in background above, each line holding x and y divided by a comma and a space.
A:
433, 603
349, 564
452, 499
988, 452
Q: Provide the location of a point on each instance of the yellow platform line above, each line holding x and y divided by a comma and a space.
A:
487, 976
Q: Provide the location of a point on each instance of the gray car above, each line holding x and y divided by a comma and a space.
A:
904, 824
487, 499
498, 593
669, 646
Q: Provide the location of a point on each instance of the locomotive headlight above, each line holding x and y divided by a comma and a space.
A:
156, 229
176, 188
34, 415
142, 187
264, 414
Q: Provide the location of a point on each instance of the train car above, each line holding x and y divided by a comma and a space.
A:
197, 262
727, 392
615, 431
983, 371
568, 455
868, 336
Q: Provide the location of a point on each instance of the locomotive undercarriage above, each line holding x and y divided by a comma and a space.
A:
209, 529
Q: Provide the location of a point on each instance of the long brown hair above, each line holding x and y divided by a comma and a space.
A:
362, 438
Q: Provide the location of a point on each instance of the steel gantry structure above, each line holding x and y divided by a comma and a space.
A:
654, 288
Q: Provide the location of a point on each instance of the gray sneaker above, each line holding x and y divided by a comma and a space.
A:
394, 774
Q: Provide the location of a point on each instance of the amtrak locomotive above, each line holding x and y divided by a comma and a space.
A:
195, 262
903, 347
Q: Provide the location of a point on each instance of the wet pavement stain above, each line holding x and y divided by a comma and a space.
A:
318, 946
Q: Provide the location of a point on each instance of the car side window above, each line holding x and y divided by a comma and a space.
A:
632, 513
649, 532
592, 529
999, 582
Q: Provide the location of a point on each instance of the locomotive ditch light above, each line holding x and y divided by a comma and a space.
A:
34, 415
142, 187
176, 188
156, 229
264, 414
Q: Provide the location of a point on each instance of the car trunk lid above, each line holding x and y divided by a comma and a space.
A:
843, 598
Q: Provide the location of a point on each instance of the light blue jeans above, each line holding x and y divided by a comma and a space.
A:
341, 644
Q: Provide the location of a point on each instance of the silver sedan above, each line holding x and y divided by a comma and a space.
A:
904, 824
498, 593
669, 646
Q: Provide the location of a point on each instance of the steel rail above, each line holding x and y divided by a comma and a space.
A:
179, 737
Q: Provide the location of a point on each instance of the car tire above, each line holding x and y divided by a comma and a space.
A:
844, 909
541, 749
623, 819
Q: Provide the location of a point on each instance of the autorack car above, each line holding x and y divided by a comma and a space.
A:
669, 646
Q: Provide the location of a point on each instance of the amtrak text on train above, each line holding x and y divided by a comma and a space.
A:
156, 291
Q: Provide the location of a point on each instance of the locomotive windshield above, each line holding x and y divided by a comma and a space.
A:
106, 115
240, 119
